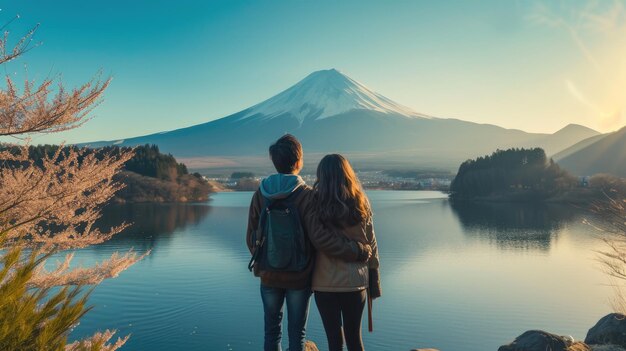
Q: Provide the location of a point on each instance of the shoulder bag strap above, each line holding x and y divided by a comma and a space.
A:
260, 233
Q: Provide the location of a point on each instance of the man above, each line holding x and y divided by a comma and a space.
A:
294, 287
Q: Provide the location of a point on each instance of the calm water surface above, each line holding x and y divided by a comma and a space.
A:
454, 277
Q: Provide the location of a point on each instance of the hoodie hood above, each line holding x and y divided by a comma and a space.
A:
279, 186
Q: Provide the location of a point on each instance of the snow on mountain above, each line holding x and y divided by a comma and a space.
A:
324, 94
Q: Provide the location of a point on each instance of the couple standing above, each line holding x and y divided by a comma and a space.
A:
306, 240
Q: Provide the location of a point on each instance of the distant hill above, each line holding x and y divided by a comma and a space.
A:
566, 137
149, 176
331, 112
605, 154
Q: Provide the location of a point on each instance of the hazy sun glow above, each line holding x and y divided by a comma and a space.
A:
598, 30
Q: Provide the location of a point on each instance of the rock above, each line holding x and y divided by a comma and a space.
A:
610, 329
310, 346
538, 340
606, 348
579, 346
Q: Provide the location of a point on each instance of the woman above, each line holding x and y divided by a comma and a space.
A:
341, 287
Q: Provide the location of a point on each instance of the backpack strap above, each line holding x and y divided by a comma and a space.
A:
260, 233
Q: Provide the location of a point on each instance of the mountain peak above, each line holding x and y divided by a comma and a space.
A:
326, 93
331, 72
328, 71
573, 127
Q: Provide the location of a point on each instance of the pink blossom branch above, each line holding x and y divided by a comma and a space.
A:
99, 341
64, 276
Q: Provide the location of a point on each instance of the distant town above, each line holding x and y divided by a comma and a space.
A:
379, 180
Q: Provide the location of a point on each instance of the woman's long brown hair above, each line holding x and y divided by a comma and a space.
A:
340, 198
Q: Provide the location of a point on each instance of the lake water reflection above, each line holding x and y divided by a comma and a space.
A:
455, 276
516, 226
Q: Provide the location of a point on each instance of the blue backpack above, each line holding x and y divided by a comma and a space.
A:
280, 243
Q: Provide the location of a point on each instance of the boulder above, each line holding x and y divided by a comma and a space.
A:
610, 329
539, 340
606, 348
579, 346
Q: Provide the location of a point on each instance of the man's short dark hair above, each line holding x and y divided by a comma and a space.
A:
285, 153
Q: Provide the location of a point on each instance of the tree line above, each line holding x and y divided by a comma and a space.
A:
147, 160
527, 173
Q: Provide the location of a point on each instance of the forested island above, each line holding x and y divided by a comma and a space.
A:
527, 175
149, 176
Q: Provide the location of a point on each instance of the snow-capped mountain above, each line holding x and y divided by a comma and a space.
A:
331, 112
325, 94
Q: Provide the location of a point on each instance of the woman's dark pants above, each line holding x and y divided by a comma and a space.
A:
336, 307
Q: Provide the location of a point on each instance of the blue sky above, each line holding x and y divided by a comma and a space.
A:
531, 65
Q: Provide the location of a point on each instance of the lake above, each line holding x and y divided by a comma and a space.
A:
455, 277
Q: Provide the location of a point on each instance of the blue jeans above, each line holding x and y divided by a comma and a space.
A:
297, 314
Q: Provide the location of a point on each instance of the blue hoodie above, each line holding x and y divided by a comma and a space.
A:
279, 186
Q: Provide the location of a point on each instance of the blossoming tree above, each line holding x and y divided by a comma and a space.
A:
48, 208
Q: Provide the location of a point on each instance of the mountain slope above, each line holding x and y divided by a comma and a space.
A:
577, 147
330, 112
566, 137
598, 155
